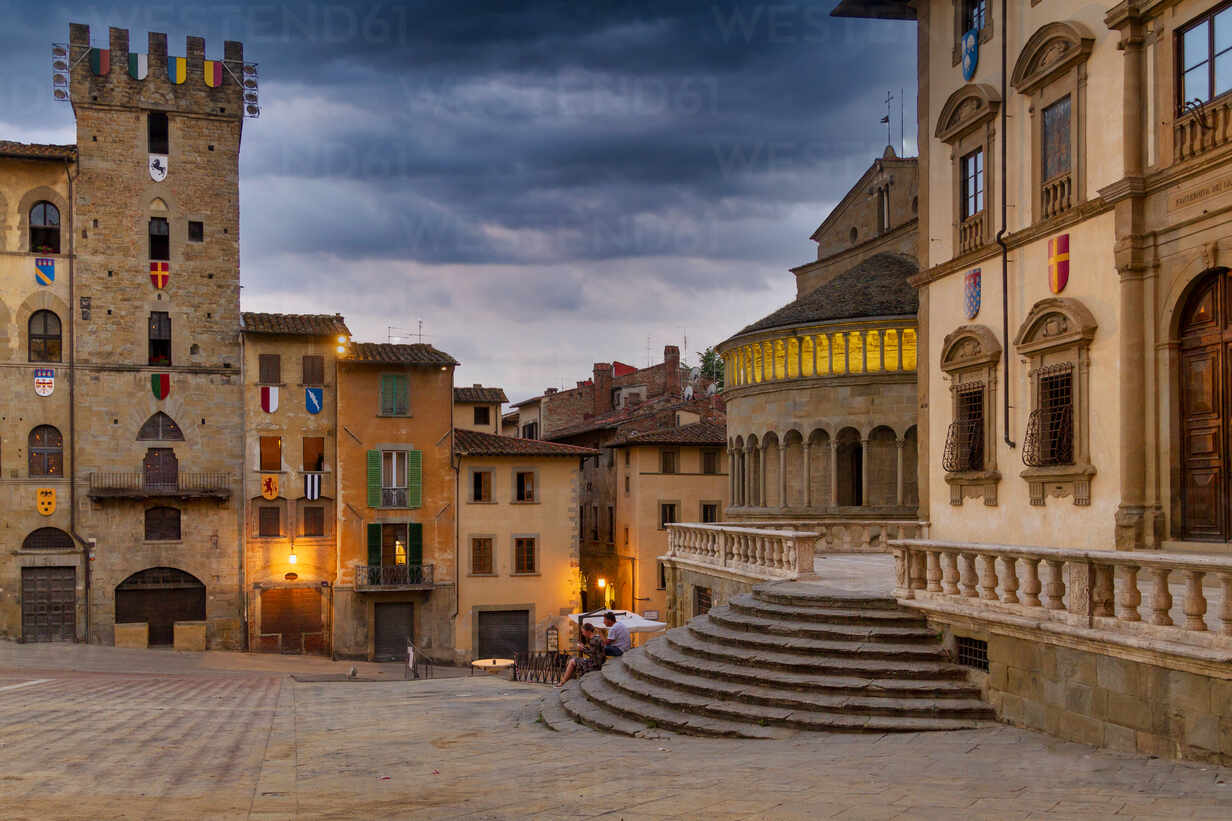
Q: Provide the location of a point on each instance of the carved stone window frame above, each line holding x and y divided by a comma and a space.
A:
970, 355
1059, 331
986, 33
967, 122
1051, 66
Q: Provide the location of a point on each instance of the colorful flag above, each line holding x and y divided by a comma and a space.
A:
100, 61
177, 69
213, 73
159, 274
160, 384
44, 270
312, 486
44, 381
138, 66
314, 398
1058, 263
269, 398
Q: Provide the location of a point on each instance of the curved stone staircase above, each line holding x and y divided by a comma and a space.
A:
788, 657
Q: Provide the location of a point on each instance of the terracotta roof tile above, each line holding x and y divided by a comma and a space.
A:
478, 393
418, 354
699, 433
475, 443
37, 151
295, 324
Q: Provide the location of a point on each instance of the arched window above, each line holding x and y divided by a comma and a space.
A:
160, 428
162, 524
44, 337
46, 448
44, 228
47, 538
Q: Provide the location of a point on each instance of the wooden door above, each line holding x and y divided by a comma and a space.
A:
1206, 365
393, 630
503, 633
160, 468
48, 603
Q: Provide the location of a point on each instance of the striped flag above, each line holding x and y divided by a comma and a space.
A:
312, 486
100, 61
177, 69
213, 73
138, 66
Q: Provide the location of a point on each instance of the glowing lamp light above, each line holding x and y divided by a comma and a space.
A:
342, 340
341, 349
291, 558
602, 583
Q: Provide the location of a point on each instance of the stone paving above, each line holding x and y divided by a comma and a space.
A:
101, 733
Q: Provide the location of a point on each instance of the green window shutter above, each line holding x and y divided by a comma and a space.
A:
414, 546
401, 398
374, 545
414, 478
387, 394
374, 478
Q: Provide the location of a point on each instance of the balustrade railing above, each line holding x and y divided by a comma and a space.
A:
139, 481
393, 575
1057, 195
754, 552
1186, 598
1197, 132
849, 535
971, 233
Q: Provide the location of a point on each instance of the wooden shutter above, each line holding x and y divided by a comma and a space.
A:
314, 369
414, 543
374, 544
314, 453
269, 367
387, 394
414, 478
401, 397
374, 478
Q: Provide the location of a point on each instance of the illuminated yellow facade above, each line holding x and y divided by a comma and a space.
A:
823, 351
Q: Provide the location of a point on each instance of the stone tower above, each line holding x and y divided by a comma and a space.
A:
159, 408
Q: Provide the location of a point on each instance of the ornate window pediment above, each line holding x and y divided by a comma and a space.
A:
967, 108
1052, 50
1054, 323
969, 357
969, 346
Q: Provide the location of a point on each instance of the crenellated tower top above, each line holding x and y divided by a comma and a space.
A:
190, 84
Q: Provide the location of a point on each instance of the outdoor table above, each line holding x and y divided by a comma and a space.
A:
491, 665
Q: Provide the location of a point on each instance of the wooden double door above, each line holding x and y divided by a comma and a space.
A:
1206, 410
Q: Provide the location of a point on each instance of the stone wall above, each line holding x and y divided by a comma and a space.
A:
1094, 696
683, 581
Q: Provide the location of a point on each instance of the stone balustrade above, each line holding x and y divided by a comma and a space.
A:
1139, 598
849, 535
1196, 132
756, 553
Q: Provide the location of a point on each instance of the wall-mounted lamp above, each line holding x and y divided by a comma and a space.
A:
291, 558
602, 583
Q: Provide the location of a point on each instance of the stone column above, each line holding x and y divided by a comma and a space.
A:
761, 476
807, 478
782, 476
833, 473
864, 472
900, 443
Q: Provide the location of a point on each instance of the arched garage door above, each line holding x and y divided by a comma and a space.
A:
160, 596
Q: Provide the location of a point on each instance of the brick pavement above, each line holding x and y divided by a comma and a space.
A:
242, 744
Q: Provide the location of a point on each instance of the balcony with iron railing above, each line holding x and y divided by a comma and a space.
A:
139, 485
386, 577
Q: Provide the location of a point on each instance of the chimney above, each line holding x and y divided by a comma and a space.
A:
671, 370
549, 391
603, 387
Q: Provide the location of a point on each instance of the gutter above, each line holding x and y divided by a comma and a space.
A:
1005, 249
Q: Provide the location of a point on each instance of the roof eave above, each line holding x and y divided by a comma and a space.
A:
875, 9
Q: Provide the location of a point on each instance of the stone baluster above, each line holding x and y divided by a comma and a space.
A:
1131, 597
1009, 581
1054, 591
949, 574
966, 579
1195, 601
933, 572
1225, 612
918, 572
1030, 582
988, 578
1161, 596
1103, 595
865, 530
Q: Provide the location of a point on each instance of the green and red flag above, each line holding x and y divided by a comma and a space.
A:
160, 384
100, 61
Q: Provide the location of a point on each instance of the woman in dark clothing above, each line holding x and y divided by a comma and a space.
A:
590, 655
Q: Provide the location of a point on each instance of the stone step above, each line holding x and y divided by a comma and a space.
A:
708, 630
553, 715
683, 639
803, 594
737, 620
574, 703
668, 656
746, 603
652, 716
643, 666
671, 700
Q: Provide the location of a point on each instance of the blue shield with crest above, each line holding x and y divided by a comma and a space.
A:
970, 53
973, 293
313, 399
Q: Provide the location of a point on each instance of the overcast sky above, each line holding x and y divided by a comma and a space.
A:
545, 185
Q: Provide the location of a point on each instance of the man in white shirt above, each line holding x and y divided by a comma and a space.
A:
618, 640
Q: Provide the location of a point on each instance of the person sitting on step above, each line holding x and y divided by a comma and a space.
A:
618, 640
590, 655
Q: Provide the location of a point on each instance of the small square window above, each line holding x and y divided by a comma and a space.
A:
667, 514
481, 486
525, 481
269, 522
710, 512
710, 461
196, 231
668, 461
483, 415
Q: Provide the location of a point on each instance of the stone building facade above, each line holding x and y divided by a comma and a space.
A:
290, 478
141, 286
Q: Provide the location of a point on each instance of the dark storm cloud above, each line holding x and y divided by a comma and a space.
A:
602, 158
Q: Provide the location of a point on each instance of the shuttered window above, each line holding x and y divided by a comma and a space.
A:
481, 556
395, 543
269, 521
269, 367
314, 370
313, 519
394, 395
271, 453
524, 559
525, 486
481, 486
314, 453
395, 478
162, 524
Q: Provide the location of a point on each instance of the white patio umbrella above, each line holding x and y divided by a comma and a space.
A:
635, 623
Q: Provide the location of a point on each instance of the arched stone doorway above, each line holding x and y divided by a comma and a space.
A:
160, 596
849, 468
1205, 332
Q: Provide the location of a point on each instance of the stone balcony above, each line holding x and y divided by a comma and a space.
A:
136, 485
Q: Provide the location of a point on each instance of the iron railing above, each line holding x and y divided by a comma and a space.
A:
540, 666
137, 481
393, 575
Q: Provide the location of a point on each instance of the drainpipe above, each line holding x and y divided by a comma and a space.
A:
456, 463
72, 406
1005, 251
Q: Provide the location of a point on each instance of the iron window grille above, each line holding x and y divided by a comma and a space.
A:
1050, 428
701, 600
973, 653
481, 556
964, 442
393, 478
47, 538
160, 428
162, 524
45, 448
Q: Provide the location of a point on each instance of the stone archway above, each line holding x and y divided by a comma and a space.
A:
849, 468
160, 596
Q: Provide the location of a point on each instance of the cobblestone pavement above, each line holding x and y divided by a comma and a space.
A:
247, 743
